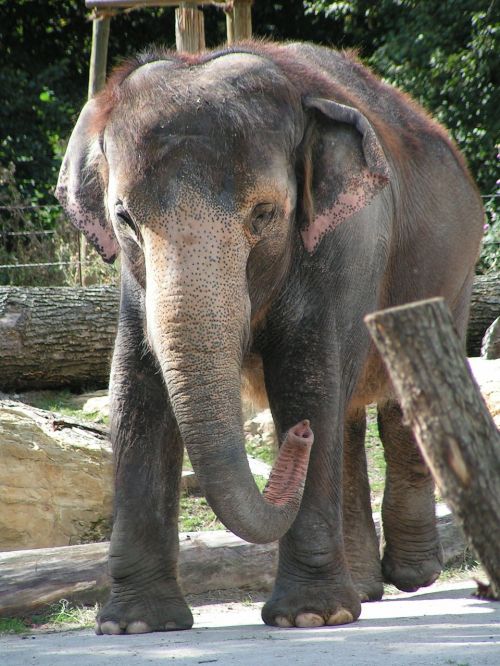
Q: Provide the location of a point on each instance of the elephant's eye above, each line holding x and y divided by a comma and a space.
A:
124, 218
262, 214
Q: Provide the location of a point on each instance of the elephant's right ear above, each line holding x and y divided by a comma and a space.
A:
80, 189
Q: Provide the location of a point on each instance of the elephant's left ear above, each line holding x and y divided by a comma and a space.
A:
80, 188
348, 168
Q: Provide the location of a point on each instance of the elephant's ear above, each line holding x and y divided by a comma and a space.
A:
347, 168
80, 189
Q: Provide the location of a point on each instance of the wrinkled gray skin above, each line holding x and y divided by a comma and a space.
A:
261, 212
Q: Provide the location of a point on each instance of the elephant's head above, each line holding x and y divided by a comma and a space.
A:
194, 170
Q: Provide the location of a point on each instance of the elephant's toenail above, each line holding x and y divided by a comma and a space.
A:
282, 621
110, 628
171, 626
342, 616
305, 620
138, 627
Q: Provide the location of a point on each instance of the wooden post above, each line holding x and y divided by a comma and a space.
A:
239, 21
189, 28
99, 53
442, 404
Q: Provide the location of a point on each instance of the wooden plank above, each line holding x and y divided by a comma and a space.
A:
208, 561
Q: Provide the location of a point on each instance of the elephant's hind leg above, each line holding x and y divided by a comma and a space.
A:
412, 556
361, 542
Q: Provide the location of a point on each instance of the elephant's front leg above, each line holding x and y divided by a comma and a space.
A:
145, 595
313, 585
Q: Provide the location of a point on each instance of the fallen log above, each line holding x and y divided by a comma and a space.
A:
52, 337
442, 404
63, 336
32, 579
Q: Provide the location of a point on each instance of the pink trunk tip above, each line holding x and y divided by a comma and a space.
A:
288, 475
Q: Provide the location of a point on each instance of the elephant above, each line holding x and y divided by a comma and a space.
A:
264, 198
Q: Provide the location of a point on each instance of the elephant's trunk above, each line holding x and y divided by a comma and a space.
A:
208, 412
197, 336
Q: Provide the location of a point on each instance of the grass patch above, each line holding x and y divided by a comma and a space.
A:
12, 626
63, 402
375, 459
65, 613
59, 616
195, 514
257, 447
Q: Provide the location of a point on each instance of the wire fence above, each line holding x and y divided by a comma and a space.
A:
78, 261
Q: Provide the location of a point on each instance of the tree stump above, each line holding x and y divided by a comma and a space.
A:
442, 404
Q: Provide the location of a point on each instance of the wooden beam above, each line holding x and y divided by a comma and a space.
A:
189, 28
239, 21
103, 5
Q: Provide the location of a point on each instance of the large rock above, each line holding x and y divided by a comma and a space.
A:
490, 347
56, 479
487, 375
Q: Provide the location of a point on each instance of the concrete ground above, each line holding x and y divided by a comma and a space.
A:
442, 625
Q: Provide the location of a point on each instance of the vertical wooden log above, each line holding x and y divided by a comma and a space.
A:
97, 79
99, 54
443, 405
239, 21
189, 28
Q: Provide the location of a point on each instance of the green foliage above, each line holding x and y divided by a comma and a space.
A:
447, 56
375, 458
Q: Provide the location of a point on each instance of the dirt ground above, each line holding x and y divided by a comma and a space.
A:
440, 626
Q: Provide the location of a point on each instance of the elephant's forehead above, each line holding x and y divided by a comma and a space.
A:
234, 93
229, 65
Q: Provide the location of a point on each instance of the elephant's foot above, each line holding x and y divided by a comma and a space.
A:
362, 552
131, 609
369, 588
410, 573
311, 604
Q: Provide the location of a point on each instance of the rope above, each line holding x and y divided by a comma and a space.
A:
57, 263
